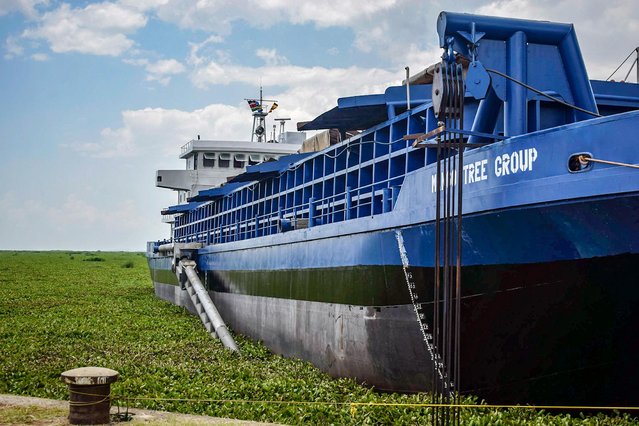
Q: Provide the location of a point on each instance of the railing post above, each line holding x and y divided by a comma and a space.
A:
387, 200
311, 212
395, 193
348, 204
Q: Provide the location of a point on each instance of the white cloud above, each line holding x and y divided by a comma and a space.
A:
26, 7
271, 57
201, 52
165, 67
40, 57
98, 29
606, 34
309, 90
13, 48
144, 5
306, 93
382, 26
159, 132
325, 13
330, 12
159, 71
402, 32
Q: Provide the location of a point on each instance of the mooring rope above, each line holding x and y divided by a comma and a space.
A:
355, 404
389, 404
583, 159
105, 398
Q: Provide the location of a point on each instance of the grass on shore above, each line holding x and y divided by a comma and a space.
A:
62, 310
32, 415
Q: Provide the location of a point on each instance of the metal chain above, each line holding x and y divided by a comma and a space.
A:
417, 307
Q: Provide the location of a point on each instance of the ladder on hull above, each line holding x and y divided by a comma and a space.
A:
204, 306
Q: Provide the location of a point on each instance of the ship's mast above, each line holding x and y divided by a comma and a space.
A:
259, 118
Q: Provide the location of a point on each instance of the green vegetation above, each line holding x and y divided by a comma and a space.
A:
57, 313
94, 259
32, 415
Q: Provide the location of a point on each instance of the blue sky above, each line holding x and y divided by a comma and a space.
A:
98, 95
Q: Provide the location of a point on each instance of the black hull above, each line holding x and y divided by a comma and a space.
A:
551, 333
559, 333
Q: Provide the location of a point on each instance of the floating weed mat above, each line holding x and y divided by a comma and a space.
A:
57, 314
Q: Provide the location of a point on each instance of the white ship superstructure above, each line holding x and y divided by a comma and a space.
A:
210, 163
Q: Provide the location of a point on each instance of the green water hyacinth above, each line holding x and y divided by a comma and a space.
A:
57, 313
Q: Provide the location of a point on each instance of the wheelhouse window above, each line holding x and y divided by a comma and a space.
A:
254, 159
239, 161
209, 159
224, 160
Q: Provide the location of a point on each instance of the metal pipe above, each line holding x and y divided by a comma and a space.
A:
165, 247
207, 304
407, 87
579, 83
516, 105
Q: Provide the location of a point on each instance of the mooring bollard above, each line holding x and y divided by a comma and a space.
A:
89, 390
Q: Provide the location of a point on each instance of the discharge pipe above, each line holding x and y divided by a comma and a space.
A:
207, 304
165, 247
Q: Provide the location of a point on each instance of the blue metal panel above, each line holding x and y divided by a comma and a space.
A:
269, 168
499, 30
219, 192
181, 208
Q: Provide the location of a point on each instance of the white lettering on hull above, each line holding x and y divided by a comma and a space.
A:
515, 162
506, 164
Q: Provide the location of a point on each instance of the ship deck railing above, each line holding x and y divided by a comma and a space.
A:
349, 204
359, 177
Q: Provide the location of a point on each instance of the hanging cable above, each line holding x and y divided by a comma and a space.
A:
447, 262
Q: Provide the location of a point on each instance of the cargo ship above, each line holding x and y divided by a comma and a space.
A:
474, 228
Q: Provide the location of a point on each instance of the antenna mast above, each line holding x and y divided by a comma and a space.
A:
259, 117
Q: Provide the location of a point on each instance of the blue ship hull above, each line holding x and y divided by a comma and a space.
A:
550, 246
549, 296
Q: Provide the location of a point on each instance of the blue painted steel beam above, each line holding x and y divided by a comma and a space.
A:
496, 28
486, 117
516, 105
540, 32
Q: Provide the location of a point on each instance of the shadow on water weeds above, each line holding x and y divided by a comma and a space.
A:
57, 314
